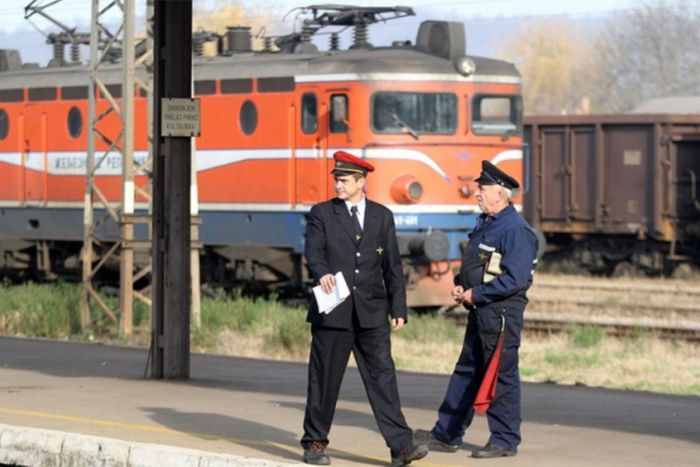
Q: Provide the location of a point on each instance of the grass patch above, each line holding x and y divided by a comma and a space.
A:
586, 336
289, 333
53, 311
242, 326
427, 328
39, 311
571, 359
228, 323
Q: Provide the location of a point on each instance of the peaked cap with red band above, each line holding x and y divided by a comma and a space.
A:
347, 164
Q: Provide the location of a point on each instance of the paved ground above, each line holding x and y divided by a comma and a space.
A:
234, 411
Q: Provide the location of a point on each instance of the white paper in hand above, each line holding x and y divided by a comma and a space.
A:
328, 301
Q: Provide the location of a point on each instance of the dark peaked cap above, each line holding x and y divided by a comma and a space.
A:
492, 175
347, 164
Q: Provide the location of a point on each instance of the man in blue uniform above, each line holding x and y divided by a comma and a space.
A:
355, 236
497, 269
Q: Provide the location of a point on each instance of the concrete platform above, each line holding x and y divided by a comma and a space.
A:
88, 405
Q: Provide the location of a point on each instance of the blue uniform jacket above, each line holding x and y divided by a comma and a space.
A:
510, 235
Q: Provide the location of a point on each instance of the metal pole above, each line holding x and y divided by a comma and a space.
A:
87, 253
126, 283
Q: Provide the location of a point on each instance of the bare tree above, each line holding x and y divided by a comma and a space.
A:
553, 60
651, 51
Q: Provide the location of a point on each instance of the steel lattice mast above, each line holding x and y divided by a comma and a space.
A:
113, 48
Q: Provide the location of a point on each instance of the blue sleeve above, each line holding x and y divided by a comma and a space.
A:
518, 248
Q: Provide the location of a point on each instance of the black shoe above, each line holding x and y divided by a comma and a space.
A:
315, 453
406, 456
434, 444
490, 451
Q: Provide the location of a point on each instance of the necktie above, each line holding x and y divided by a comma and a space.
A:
356, 223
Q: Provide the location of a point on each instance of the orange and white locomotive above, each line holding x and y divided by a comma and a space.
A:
425, 115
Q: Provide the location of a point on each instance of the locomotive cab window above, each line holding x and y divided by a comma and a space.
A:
339, 113
309, 113
497, 115
4, 124
414, 113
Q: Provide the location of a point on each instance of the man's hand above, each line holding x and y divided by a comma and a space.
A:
397, 323
467, 298
457, 293
327, 282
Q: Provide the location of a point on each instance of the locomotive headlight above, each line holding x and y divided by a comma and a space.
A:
415, 190
466, 66
406, 189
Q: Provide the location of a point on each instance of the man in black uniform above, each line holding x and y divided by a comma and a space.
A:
355, 236
496, 272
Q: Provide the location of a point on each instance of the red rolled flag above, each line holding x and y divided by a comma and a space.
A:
487, 390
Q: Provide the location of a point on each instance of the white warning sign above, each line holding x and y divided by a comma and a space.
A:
179, 117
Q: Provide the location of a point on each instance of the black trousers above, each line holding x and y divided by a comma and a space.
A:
330, 351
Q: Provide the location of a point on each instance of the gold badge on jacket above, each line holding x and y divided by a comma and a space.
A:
380, 251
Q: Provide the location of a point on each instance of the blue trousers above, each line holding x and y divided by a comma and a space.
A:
456, 412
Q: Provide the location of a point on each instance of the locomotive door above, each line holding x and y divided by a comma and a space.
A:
309, 149
338, 131
33, 153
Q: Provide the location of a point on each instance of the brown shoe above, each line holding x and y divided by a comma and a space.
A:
406, 456
315, 453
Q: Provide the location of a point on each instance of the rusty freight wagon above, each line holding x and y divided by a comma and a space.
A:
616, 193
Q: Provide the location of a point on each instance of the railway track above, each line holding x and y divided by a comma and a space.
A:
664, 308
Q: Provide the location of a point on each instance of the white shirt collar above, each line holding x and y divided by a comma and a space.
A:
360, 206
360, 210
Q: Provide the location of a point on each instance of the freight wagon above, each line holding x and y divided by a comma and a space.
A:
616, 193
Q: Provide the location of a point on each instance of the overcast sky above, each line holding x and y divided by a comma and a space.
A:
489, 22
78, 11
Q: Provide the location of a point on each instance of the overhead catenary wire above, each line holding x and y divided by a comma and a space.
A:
13, 16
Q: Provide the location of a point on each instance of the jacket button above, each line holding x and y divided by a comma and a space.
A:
354, 287
357, 271
357, 254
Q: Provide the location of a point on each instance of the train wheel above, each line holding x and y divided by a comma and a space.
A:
626, 269
686, 271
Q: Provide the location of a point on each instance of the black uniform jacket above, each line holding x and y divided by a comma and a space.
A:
372, 266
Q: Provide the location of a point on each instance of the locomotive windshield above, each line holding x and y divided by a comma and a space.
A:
497, 115
414, 113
